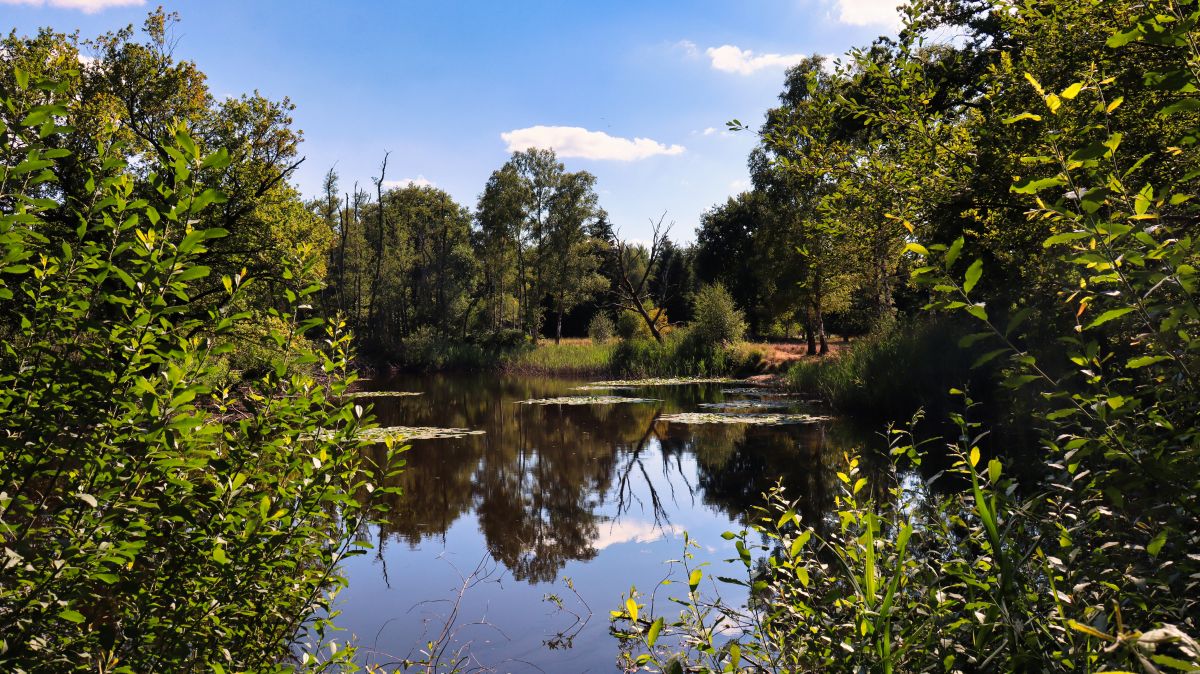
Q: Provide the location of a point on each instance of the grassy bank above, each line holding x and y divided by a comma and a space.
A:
890, 375
570, 357
683, 354
678, 355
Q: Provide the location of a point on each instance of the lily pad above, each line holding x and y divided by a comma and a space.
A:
587, 400
382, 394
731, 418
668, 381
750, 405
759, 392
405, 433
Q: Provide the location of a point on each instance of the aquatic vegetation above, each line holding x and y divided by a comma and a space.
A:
587, 400
406, 433
760, 392
732, 418
750, 404
655, 381
382, 394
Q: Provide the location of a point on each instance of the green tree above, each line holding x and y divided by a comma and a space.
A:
149, 520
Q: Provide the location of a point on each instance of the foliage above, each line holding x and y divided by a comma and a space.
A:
150, 521
601, 328
682, 354
889, 375
969, 586
136, 95
1087, 566
571, 356
717, 321
631, 325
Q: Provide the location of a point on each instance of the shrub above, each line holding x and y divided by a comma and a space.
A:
150, 522
892, 374
682, 354
631, 325
601, 328
717, 320
1091, 565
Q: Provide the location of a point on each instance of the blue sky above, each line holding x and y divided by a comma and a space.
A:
637, 93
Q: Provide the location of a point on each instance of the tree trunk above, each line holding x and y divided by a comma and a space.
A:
558, 331
811, 337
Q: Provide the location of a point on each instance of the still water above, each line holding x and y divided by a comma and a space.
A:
510, 547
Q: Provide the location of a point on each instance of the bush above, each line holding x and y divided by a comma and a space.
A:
682, 354
148, 521
717, 319
890, 375
601, 328
1090, 565
631, 325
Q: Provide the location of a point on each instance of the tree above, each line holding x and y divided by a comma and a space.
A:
152, 520
632, 291
571, 257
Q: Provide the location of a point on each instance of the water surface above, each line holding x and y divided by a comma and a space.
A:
511, 547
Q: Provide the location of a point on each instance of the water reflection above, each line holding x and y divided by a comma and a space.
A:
549, 486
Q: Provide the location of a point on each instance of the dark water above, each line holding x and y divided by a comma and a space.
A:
493, 528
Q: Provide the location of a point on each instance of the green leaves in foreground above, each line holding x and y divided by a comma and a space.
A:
150, 521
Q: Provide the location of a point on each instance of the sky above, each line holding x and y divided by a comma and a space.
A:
637, 93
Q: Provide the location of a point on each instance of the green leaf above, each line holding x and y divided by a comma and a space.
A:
1072, 91
1064, 238
1174, 663
1143, 361
1156, 544
192, 273
217, 160
73, 616
1023, 116
916, 248
631, 608
1035, 185
994, 468
1125, 37
1185, 105
1109, 315
974, 272
977, 311
218, 555
1036, 86
952, 253
694, 578
988, 357
974, 456
968, 341
655, 628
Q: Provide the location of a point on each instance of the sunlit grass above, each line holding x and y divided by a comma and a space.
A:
571, 356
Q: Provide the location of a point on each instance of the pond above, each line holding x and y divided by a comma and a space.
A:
510, 547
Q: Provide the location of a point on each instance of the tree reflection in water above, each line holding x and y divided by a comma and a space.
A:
545, 479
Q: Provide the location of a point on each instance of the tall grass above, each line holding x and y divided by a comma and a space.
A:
684, 353
573, 356
891, 375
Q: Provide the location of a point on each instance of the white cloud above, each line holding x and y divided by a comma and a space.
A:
85, 6
731, 59
709, 131
869, 12
575, 141
633, 531
688, 47
419, 181
740, 185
